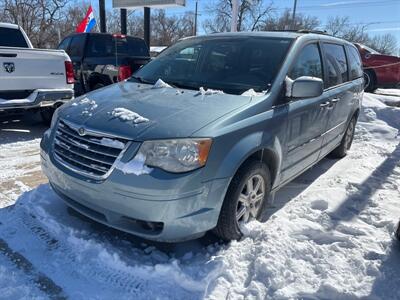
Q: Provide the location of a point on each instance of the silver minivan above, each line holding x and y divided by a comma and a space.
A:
202, 137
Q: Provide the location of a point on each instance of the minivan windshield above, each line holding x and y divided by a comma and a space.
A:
233, 65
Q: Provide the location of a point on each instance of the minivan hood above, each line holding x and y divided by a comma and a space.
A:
171, 113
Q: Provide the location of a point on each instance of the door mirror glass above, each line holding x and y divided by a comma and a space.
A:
307, 87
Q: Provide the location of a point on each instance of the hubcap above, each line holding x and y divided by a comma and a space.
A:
250, 199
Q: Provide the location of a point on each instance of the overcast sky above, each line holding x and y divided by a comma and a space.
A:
384, 14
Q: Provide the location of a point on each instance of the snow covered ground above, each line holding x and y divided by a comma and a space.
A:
329, 234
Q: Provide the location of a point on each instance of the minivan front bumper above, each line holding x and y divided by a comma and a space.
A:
155, 206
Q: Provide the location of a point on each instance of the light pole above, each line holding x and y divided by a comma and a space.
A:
235, 10
294, 14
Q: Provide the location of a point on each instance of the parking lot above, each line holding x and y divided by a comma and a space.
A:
328, 234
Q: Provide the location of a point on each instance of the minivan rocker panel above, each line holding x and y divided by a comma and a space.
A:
286, 130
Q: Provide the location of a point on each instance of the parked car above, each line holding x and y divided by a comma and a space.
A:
380, 70
203, 135
101, 59
31, 79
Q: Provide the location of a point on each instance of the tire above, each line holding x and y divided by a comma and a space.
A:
398, 232
47, 114
97, 86
234, 211
341, 150
369, 81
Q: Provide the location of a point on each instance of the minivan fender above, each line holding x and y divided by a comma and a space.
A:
257, 145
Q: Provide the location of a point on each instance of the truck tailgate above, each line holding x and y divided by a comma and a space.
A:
31, 69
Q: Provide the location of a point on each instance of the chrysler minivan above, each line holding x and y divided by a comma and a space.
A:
201, 137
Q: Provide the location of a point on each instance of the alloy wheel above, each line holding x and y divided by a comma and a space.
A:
250, 199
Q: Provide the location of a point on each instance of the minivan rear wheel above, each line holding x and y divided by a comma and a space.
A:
245, 200
347, 140
369, 81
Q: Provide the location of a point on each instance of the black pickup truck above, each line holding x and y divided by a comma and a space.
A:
100, 59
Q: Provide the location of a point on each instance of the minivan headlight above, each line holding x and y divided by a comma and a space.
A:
177, 156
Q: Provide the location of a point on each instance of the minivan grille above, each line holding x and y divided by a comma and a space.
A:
89, 154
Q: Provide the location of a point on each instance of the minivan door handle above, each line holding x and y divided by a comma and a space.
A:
325, 104
335, 100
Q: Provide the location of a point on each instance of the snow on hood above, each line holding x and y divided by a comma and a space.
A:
253, 93
209, 92
135, 110
88, 105
161, 84
126, 115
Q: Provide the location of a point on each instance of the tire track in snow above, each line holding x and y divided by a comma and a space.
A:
43, 282
123, 280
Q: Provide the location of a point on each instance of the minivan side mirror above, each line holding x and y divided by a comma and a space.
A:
307, 87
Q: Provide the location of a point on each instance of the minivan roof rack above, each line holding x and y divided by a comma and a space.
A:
302, 31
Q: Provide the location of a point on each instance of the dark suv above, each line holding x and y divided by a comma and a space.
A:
100, 59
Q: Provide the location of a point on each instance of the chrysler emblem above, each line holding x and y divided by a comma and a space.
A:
9, 67
81, 131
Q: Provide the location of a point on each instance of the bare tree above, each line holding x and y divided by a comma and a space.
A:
385, 44
251, 15
37, 17
284, 20
358, 33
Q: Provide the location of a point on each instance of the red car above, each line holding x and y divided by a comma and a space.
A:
380, 70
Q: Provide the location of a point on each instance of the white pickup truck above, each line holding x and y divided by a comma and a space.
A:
34, 79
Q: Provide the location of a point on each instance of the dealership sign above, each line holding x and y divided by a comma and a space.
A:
147, 3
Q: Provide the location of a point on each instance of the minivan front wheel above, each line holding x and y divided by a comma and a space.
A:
244, 200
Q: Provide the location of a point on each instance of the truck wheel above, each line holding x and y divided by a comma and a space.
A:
347, 140
369, 81
244, 200
47, 114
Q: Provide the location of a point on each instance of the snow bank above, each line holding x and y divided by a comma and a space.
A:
127, 115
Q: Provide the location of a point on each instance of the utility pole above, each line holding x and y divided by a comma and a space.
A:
102, 9
195, 21
235, 10
123, 20
294, 14
146, 26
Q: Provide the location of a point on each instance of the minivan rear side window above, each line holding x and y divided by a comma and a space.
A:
355, 64
336, 64
10, 37
308, 63
77, 45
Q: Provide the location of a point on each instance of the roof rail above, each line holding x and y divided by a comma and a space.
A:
302, 31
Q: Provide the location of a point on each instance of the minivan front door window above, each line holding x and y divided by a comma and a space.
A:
308, 63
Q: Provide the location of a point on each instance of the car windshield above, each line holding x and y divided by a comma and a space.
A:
233, 65
370, 50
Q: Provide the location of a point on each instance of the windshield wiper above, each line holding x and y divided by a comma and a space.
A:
141, 80
182, 85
